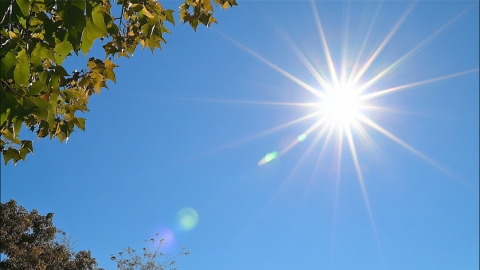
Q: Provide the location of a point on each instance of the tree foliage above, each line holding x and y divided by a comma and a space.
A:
37, 36
30, 241
151, 259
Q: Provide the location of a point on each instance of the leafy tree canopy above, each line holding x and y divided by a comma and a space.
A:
36, 37
30, 241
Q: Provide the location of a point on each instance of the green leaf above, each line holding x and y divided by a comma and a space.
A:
23, 153
7, 100
7, 63
169, 16
60, 6
28, 145
36, 88
22, 68
37, 106
25, 149
95, 28
136, 7
41, 52
80, 123
59, 70
42, 104
51, 118
4, 116
110, 49
98, 20
53, 83
17, 124
24, 6
88, 38
11, 153
8, 134
62, 50
75, 15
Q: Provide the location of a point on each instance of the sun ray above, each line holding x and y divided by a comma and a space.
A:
306, 132
367, 138
304, 85
389, 135
328, 56
343, 67
295, 104
410, 53
269, 131
382, 108
362, 133
282, 185
317, 138
307, 152
326, 86
406, 86
337, 184
324, 129
353, 151
304, 155
360, 52
383, 44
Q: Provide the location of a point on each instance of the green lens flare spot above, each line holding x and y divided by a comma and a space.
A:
270, 156
187, 218
301, 138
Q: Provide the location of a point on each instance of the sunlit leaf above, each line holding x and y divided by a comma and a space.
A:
109, 74
169, 16
62, 50
17, 124
22, 68
80, 123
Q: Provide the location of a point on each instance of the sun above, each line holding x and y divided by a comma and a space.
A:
340, 106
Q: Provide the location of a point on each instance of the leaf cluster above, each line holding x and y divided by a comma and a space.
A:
36, 36
31, 241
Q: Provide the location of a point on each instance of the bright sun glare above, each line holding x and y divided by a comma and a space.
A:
340, 106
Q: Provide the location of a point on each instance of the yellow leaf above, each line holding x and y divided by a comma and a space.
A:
207, 5
182, 14
147, 13
12, 35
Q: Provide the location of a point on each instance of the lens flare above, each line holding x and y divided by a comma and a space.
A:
165, 236
187, 218
302, 137
268, 157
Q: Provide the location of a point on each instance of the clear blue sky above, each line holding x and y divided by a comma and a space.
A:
155, 144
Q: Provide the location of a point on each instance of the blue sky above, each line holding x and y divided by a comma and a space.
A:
179, 130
